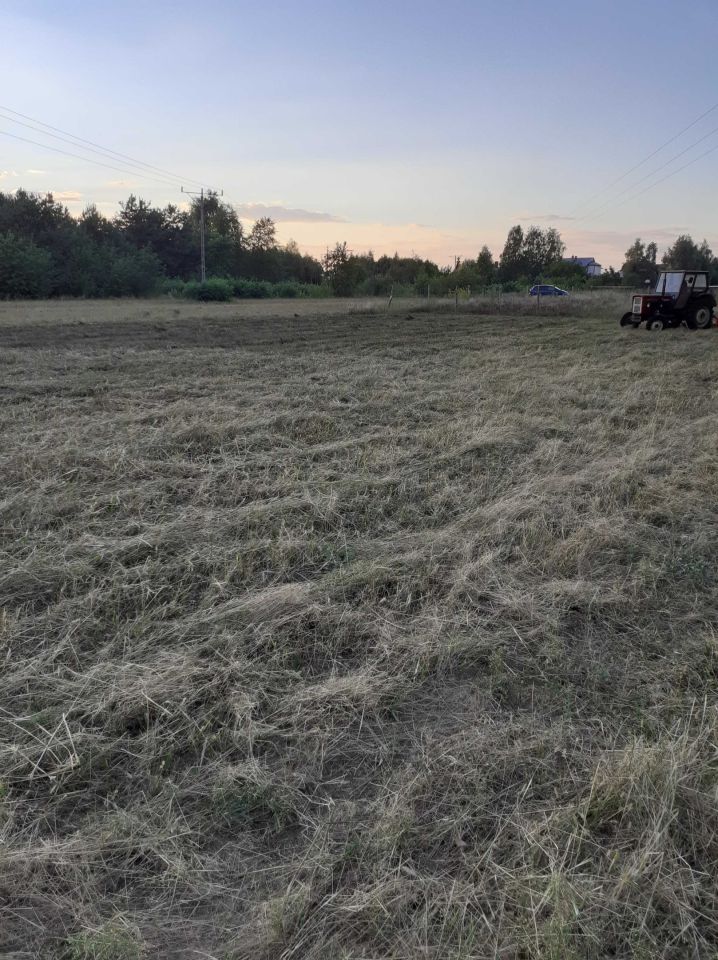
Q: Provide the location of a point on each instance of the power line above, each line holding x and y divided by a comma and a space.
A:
649, 175
77, 156
662, 180
101, 153
91, 143
645, 160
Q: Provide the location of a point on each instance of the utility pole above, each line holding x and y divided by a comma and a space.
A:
201, 195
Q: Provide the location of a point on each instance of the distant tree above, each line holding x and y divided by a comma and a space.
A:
566, 273
685, 254
512, 264
263, 235
554, 247
531, 254
639, 265
485, 268
341, 270
95, 225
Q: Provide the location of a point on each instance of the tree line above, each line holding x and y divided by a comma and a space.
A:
144, 249
642, 266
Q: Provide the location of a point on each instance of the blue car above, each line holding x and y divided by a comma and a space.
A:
546, 290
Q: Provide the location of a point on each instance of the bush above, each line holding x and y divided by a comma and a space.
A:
25, 269
215, 289
136, 274
262, 289
287, 288
173, 287
255, 289
315, 291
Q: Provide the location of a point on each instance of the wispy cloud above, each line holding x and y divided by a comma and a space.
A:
6, 174
36, 173
120, 183
68, 196
280, 213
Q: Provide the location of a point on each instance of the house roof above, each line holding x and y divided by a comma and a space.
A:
582, 261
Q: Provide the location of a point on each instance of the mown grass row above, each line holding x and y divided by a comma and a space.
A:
358, 639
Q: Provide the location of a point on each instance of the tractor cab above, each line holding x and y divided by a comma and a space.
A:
680, 285
679, 296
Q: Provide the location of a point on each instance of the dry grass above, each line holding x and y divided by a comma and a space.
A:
341, 635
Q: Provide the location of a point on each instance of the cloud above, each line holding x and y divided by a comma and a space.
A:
120, 183
6, 174
69, 196
36, 173
282, 214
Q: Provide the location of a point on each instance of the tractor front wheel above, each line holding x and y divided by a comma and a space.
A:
654, 324
702, 316
628, 321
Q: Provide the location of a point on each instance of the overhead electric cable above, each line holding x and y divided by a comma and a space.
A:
114, 153
645, 160
139, 168
77, 156
661, 180
648, 176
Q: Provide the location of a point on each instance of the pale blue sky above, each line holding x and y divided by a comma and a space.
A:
422, 126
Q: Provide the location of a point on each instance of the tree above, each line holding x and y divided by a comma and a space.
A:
554, 247
263, 235
485, 268
340, 270
640, 264
685, 254
512, 265
95, 225
531, 254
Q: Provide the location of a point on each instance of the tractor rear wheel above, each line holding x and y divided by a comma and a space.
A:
628, 321
654, 324
701, 315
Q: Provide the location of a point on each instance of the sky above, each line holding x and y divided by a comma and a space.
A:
418, 127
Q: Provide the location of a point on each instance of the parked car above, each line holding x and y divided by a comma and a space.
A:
547, 290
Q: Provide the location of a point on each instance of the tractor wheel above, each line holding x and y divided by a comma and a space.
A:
654, 324
628, 321
702, 316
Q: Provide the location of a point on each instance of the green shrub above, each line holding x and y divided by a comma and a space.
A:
252, 289
25, 269
136, 274
261, 289
315, 291
173, 287
215, 289
286, 288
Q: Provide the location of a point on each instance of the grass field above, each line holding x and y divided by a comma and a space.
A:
327, 633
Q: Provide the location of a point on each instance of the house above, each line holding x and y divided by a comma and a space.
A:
592, 268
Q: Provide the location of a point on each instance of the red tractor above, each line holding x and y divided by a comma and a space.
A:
680, 296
